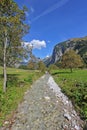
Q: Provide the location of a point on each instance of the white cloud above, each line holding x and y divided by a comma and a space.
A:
47, 56
37, 44
51, 9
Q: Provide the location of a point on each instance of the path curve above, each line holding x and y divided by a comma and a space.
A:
45, 107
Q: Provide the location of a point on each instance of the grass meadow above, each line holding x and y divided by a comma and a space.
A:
74, 85
18, 82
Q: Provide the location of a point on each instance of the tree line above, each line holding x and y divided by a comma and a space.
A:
70, 59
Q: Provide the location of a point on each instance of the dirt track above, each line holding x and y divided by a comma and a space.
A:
45, 107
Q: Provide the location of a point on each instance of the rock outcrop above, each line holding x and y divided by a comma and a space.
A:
77, 44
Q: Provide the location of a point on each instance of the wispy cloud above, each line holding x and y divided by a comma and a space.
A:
27, 14
49, 41
51, 9
32, 9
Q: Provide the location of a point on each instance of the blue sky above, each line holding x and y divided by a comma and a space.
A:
54, 21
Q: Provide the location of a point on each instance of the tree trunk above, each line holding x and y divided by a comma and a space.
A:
5, 73
71, 70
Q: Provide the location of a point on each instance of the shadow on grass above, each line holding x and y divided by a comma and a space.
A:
12, 79
1, 76
61, 73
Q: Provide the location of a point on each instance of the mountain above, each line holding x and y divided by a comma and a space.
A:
47, 60
25, 63
77, 44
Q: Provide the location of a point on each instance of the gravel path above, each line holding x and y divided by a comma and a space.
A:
46, 108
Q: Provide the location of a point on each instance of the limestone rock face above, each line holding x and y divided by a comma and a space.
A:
77, 44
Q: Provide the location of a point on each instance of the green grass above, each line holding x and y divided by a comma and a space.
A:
18, 82
74, 85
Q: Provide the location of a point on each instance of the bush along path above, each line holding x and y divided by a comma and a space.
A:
45, 107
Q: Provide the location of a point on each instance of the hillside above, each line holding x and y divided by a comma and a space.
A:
77, 44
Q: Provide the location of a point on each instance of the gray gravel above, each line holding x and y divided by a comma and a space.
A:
45, 107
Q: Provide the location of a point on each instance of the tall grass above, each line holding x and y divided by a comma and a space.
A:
18, 82
74, 85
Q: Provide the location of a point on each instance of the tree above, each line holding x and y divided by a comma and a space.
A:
41, 66
12, 29
71, 60
53, 67
85, 59
31, 65
58, 64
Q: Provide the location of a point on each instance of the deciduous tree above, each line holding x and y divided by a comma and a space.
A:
31, 65
12, 29
41, 66
71, 60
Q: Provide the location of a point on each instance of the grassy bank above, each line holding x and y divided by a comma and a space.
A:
18, 82
74, 85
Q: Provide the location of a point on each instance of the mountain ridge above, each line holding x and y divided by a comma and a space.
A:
77, 44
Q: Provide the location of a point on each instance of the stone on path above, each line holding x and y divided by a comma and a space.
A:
45, 107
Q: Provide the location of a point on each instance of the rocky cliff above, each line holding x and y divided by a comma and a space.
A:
77, 44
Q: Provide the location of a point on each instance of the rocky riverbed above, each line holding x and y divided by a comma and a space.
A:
45, 107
